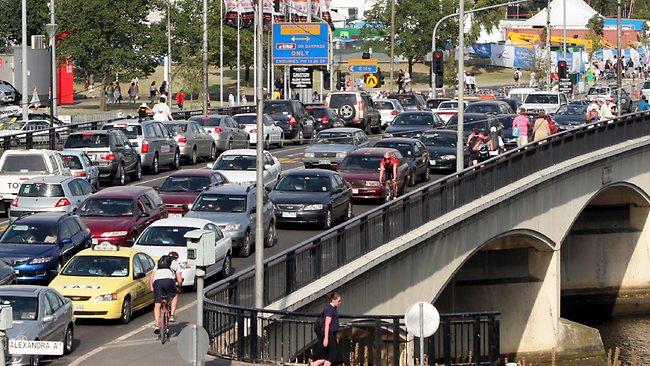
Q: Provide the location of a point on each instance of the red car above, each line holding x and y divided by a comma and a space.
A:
180, 189
361, 169
117, 215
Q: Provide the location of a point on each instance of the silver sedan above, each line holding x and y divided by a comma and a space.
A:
55, 193
193, 140
39, 313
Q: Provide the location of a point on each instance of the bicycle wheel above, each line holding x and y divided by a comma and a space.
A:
163, 328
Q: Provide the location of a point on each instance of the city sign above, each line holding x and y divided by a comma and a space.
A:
300, 44
301, 77
363, 68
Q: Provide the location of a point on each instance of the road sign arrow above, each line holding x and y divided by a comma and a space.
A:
306, 39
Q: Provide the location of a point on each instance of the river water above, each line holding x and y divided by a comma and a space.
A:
628, 333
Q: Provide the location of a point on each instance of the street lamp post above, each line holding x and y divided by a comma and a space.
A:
206, 92
619, 62
392, 43
24, 62
460, 144
51, 31
259, 188
169, 54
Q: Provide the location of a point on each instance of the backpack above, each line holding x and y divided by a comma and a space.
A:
165, 262
516, 76
319, 324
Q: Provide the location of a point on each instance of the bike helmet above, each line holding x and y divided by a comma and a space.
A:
173, 255
387, 155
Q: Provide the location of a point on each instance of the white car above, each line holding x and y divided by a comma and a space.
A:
167, 235
448, 109
389, 109
520, 94
239, 166
544, 101
273, 134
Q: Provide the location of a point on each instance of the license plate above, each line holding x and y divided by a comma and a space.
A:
289, 214
324, 162
78, 308
172, 215
355, 191
433, 162
95, 241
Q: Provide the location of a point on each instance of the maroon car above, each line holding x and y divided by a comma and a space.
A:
361, 169
117, 215
180, 189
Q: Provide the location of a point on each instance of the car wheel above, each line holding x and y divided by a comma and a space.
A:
349, 212
67, 341
176, 163
213, 152
245, 249
427, 175
137, 173
328, 219
226, 269
120, 175
194, 159
270, 239
281, 143
155, 165
412, 179
299, 137
127, 310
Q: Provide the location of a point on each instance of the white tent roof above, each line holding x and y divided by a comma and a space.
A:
578, 13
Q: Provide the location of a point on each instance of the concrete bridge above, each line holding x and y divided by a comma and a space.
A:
568, 234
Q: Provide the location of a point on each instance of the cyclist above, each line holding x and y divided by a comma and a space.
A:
388, 171
164, 281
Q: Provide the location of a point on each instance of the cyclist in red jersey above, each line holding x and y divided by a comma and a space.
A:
388, 170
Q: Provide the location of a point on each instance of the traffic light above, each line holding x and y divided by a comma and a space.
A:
326, 79
340, 80
438, 68
562, 69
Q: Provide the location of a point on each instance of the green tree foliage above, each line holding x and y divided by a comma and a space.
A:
11, 21
595, 34
105, 38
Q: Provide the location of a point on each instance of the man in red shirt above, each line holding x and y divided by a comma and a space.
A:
180, 99
388, 171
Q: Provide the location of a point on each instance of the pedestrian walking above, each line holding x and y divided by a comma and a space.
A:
592, 116
400, 81
180, 99
153, 90
541, 130
517, 76
144, 111
474, 141
231, 100
642, 104
326, 352
244, 101
109, 93
35, 101
496, 142
161, 111
533, 80
132, 93
276, 94
91, 86
117, 93
520, 126
164, 89
315, 97
606, 109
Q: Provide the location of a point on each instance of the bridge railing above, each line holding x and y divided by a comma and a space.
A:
254, 335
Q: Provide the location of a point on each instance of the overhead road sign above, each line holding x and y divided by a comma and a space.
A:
301, 77
300, 44
363, 62
363, 68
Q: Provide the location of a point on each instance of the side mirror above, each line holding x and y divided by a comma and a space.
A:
47, 318
139, 275
145, 214
65, 241
209, 165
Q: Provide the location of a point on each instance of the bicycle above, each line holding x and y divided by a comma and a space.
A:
165, 314
390, 191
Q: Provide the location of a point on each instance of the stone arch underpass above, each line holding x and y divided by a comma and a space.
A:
584, 204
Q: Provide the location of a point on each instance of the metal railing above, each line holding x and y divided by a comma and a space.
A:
254, 335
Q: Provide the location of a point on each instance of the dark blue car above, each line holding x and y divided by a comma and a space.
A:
37, 246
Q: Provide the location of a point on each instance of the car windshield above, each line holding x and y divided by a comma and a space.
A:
384, 105
176, 128
247, 119
277, 108
235, 162
360, 162
482, 108
23, 163
319, 112
405, 149
164, 236
72, 161
572, 110
438, 139
88, 140
131, 131
299, 183
97, 266
324, 138
40, 190
185, 184
211, 121
220, 203
341, 99
448, 105
106, 207
23, 307
541, 99
18, 233
413, 119
404, 100
598, 91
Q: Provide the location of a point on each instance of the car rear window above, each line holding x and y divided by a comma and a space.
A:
319, 112
160, 236
40, 190
106, 207
482, 108
89, 140
131, 131
72, 161
23, 163
176, 128
404, 100
277, 108
207, 121
97, 266
246, 120
337, 100
185, 184
542, 98
384, 105
597, 91
448, 105
404, 148
220, 203
23, 307
360, 162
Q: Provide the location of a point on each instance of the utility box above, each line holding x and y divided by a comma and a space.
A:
6, 317
201, 247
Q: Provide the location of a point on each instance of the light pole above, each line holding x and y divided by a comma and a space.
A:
51, 31
619, 62
221, 53
24, 62
259, 188
206, 92
564, 29
392, 43
169, 54
548, 45
460, 144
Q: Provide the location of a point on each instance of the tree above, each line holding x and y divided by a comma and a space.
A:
11, 21
108, 38
595, 33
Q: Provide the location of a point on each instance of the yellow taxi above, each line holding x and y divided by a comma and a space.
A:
106, 282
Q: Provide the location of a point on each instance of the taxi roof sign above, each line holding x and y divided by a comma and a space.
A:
106, 246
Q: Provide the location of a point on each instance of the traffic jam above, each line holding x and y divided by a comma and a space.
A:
83, 235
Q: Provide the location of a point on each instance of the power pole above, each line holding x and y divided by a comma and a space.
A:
460, 144
619, 59
24, 63
169, 54
392, 43
548, 44
259, 188
206, 92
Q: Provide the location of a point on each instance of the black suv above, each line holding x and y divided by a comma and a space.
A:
292, 117
110, 151
356, 109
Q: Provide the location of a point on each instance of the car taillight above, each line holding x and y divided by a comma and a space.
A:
394, 113
109, 156
80, 174
62, 202
145, 147
14, 203
217, 130
183, 139
293, 122
325, 120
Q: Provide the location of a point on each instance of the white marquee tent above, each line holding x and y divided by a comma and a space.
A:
578, 13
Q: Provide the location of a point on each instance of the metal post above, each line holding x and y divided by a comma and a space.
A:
200, 275
308, 92
421, 334
255, 64
206, 92
24, 61
461, 85
392, 43
2, 348
564, 29
548, 44
238, 57
221, 53
259, 189
619, 52
54, 89
169, 54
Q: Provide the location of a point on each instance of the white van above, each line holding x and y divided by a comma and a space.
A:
520, 94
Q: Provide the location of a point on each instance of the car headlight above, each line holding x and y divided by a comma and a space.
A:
309, 154
448, 157
232, 227
107, 297
315, 207
41, 260
388, 135
341, 154
372, 183
111, 234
